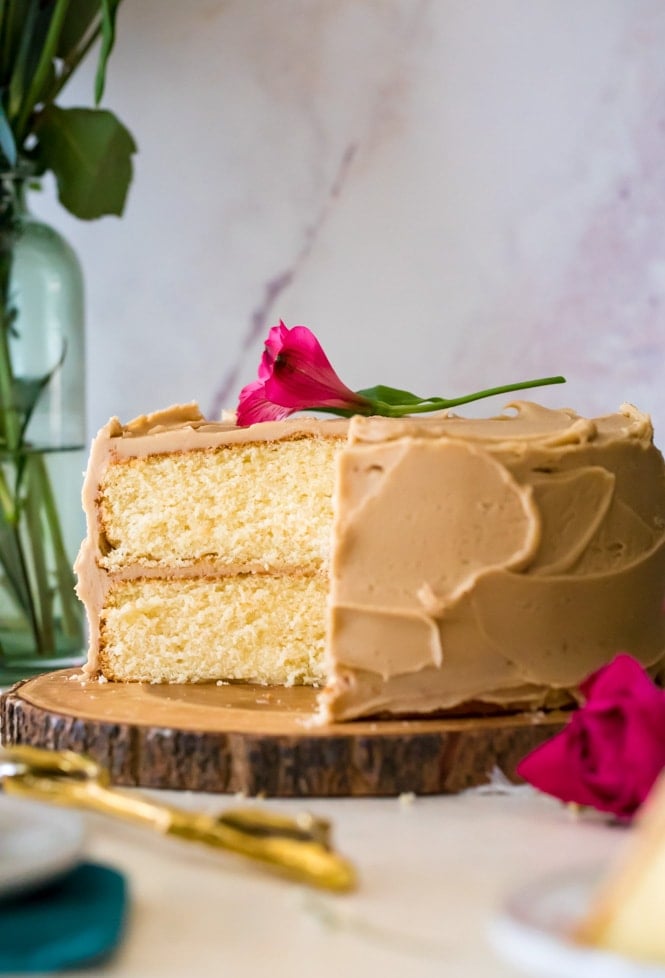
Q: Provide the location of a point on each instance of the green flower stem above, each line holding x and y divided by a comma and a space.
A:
45, 625
43, 67
64, 573
3, 34
13, 563
30, 582
71, 63
441, 403
9, 11
21, 33
9, 422
37, 575
20, 569
12, 553
373, 406
9, 426
7, 503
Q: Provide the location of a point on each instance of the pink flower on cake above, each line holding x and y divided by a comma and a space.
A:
254, 405
296, 375
613, 749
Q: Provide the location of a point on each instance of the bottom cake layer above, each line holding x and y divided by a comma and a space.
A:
255, 628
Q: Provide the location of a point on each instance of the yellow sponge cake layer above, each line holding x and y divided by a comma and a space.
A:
252, 627
256, 506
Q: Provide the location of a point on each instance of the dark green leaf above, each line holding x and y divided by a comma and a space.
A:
27, 392
13, 565
44, 47
78, 23
22, 60
14, 17
109, 11
7, 144
89, 151
390, 395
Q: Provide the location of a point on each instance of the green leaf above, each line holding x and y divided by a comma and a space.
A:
40, 69
109, 11
89, 151
22, 55
7, 144
6, 42
15, 13
391, 395
27, 392
13, 565
79, 21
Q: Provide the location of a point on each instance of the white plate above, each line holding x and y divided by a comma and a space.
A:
37, 843
532, 932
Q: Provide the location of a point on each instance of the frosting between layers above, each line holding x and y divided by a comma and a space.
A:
493, 560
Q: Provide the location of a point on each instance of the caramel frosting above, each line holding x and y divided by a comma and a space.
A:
496, 561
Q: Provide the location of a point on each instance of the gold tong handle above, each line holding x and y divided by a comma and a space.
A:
256, 834
299, 848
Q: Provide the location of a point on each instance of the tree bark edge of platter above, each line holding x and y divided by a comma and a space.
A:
426, 757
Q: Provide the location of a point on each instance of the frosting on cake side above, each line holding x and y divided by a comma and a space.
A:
496, 562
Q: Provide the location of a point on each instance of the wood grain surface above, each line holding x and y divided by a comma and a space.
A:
260, 740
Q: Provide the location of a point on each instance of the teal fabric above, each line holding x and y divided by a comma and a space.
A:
75, 921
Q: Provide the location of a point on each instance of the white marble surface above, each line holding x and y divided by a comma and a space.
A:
452, 193
433, 874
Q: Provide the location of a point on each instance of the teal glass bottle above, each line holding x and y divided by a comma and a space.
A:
42, 445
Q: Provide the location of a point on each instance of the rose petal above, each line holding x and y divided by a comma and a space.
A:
613, 749
554, 768
622, 676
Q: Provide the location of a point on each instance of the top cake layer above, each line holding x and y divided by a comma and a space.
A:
165, 493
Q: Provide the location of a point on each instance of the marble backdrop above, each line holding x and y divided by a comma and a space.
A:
452, 193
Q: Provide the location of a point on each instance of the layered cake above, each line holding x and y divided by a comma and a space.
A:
207, 549
405, 565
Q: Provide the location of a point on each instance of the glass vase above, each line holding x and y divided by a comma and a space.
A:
42, 443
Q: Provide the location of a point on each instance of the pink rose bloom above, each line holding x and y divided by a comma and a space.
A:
295, 375
613, 749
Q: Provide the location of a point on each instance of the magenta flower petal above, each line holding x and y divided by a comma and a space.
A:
277, 336
548, 767
254, 406
295, 375
613, 749
302, 376
623, 676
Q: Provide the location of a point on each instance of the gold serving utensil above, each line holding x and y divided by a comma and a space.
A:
297, 847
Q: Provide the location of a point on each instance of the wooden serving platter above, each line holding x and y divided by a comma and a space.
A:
260, 740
